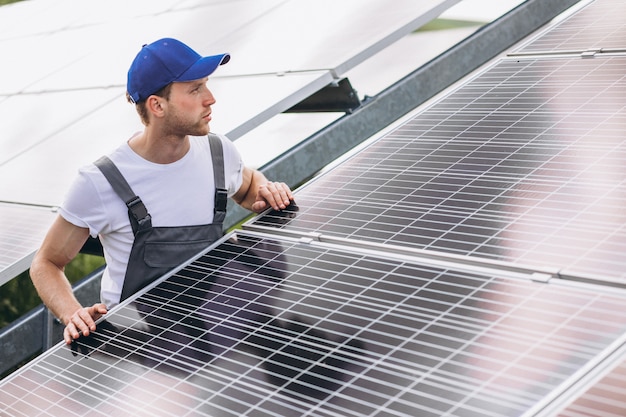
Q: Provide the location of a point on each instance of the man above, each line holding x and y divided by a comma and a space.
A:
157, 199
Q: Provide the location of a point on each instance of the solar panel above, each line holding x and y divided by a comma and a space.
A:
264, 326
598, 26
522, 164
21, 231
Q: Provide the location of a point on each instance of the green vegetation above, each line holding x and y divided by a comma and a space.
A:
18, 296
444, 24
3, 2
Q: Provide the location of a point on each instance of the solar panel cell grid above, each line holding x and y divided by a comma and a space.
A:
538, 183
264, 327
598, 25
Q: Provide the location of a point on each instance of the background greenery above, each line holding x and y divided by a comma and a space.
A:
18, 296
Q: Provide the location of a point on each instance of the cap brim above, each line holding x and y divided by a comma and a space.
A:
203, 67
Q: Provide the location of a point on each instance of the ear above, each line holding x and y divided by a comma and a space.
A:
156, 105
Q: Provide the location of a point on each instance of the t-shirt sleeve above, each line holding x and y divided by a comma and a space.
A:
82, 204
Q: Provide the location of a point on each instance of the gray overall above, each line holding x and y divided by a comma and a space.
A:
156, 250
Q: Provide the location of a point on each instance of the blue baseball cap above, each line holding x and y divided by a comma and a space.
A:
166, 61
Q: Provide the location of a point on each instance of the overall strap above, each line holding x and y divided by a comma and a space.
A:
221, 193
139, 217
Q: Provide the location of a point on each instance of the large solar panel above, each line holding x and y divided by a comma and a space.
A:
261, 326
523, 164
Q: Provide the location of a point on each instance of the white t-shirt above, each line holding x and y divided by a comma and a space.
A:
176, 194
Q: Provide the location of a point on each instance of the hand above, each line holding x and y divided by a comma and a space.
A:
275, 194
83, 321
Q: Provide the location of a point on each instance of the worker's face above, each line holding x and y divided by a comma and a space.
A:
189, 108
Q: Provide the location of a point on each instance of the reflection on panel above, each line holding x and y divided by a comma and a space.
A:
523, 164
606, 397
75, 38
31, 120
259, 326
599, 25
22, 229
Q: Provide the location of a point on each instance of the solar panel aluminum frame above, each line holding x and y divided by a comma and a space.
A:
431, 257
584, 380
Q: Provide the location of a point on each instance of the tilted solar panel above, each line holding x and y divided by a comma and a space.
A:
261, 326
522, 164
22, 230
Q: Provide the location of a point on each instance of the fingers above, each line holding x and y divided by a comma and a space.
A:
275, 194
82, 322
69, 334
99, 309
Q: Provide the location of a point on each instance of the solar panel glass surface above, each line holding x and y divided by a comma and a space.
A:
522, 164
261, 326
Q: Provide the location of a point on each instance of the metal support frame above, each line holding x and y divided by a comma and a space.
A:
338, 96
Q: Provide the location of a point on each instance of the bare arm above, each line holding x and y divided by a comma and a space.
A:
60, 246
257, 193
